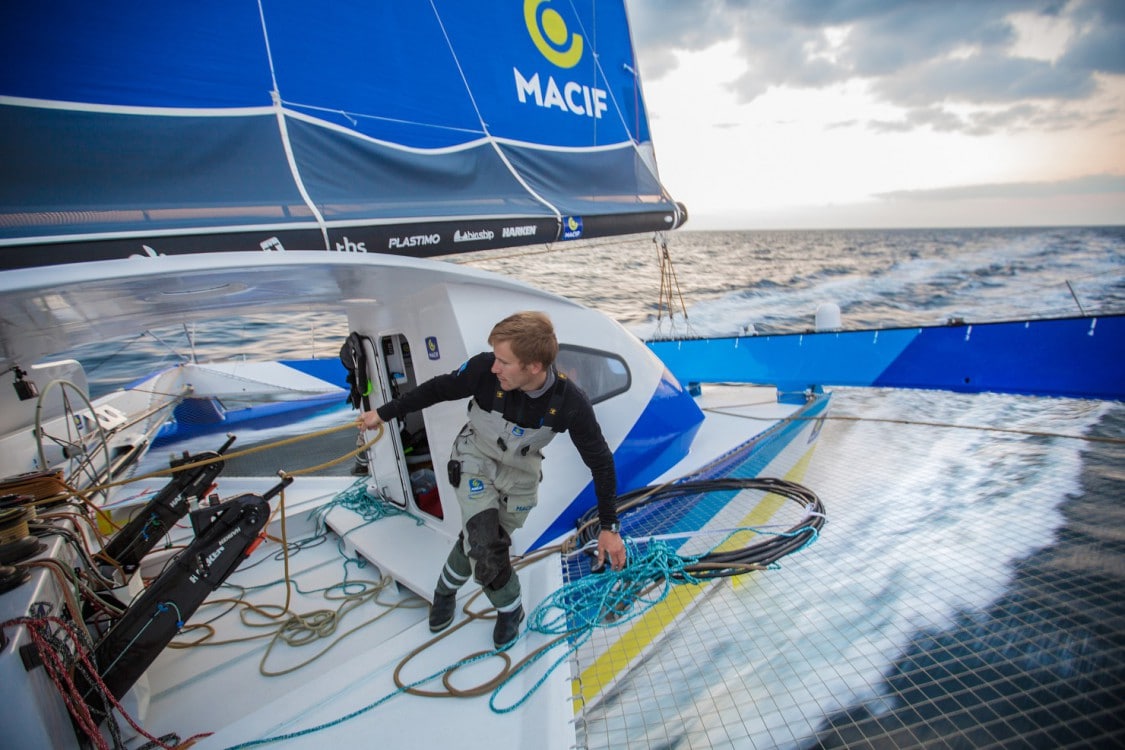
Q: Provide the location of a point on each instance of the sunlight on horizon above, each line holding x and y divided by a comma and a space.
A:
823, 157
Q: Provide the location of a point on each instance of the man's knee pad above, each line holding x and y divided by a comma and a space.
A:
488, 547
502, 578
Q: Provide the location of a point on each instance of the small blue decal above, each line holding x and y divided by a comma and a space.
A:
517, 431
572, 228
476, 486
432, 348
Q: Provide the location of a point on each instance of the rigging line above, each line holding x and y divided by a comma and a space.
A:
113, 355
168, 346
923, 423
248, 451
1050, 285
1073, 294
283, 131
669, 282
172, 398
266, 39
191, 341
634, 135
484, 125
397, 120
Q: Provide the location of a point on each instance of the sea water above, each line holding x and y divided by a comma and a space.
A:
955, 520
730, 282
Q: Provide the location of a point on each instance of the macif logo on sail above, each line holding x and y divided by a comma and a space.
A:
563, 49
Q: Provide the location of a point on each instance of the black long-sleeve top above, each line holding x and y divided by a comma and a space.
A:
576, 416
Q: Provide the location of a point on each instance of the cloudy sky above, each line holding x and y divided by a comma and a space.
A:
887, 113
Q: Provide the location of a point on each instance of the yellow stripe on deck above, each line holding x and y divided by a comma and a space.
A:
646, 628
774, 502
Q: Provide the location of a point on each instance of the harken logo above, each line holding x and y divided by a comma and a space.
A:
562, 48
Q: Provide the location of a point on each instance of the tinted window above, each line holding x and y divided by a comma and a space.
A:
601, 374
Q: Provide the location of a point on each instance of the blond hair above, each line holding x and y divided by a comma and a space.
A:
531, 336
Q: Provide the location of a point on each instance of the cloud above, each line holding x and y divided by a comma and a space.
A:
984, 79
1103, 184
663, 27
1098, 46
928, 58
1009, 120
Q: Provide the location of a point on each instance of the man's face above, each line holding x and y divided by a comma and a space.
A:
513, 374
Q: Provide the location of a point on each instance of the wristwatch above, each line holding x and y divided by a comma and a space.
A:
613, 528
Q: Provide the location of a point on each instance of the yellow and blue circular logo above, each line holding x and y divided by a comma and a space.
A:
550, 34
572, 227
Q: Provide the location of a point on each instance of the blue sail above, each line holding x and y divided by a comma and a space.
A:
419, 128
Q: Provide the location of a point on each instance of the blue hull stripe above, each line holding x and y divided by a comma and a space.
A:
1081, 357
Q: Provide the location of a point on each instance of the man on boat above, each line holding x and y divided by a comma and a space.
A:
519, 401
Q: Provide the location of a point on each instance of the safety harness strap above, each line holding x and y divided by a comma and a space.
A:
553, 407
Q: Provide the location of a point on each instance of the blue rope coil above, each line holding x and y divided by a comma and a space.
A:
360, 501
605, 600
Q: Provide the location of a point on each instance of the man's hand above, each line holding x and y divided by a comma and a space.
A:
610, 544
369, 420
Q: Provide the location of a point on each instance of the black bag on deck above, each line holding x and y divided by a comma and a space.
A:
353, 354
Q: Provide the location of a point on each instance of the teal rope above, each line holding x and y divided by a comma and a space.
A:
614, 598
603, 600
370, 508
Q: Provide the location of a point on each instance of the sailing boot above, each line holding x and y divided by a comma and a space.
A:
441, 611
509, 611
454, 573
507, 627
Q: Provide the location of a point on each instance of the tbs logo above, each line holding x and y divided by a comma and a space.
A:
350, 247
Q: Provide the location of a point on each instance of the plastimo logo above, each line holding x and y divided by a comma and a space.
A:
396, 243
562, 48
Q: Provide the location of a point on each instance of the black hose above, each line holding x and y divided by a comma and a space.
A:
756, 556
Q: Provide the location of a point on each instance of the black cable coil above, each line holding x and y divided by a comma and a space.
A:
756, 556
